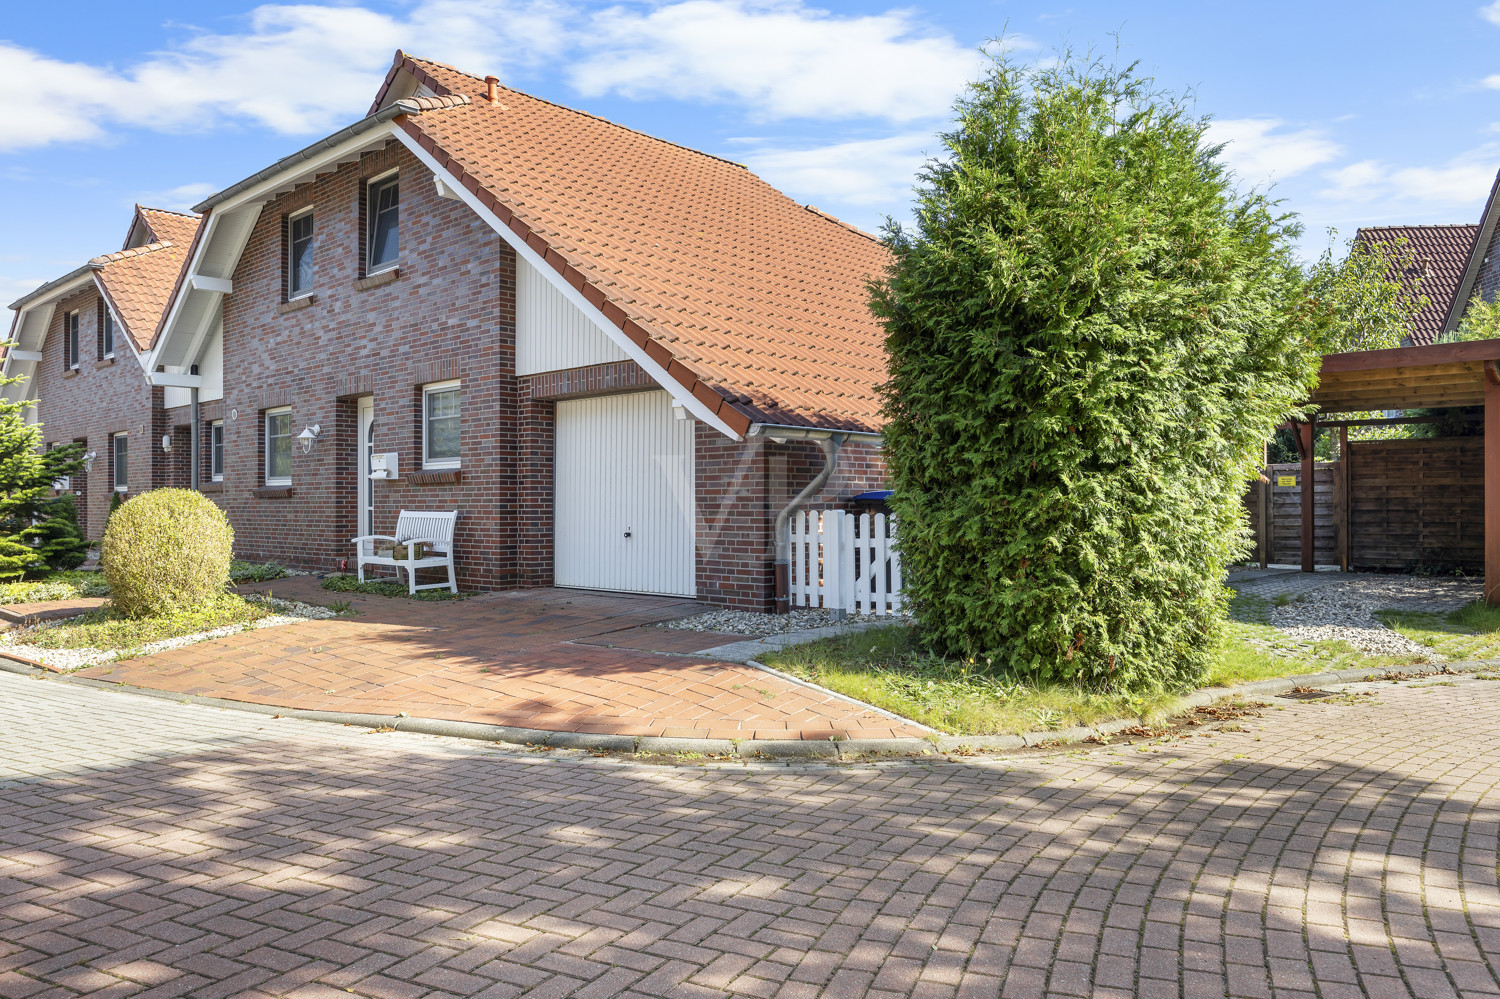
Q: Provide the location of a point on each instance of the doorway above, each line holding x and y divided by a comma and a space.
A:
366, 485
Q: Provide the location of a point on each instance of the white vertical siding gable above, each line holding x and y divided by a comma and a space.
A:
553, 334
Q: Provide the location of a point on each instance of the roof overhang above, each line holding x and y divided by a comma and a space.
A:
197, 302
1434, 376
779, 433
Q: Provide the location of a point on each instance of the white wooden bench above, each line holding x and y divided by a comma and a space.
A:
433, 529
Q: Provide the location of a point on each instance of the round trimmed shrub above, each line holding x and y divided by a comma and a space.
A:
166, 550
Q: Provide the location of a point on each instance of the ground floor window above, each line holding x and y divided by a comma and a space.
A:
120, 459
279, 447
216, 450
441, 410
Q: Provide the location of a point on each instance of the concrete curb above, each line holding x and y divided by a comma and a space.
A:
751, 748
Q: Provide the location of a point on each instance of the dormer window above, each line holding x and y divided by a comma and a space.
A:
299, 272
383, 219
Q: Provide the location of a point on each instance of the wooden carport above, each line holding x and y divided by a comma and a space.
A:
1431, 377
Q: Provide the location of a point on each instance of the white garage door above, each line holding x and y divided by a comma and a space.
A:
624, 495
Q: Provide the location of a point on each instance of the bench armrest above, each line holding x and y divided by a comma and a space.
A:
371, 537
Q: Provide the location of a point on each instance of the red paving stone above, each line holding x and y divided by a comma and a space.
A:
528, 658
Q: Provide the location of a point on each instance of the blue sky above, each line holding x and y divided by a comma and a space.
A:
1361, 113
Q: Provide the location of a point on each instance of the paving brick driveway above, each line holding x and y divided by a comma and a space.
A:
1334, 849
561, 660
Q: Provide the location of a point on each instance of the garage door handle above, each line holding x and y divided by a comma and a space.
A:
627, 534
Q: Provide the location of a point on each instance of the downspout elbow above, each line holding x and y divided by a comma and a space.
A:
781, 536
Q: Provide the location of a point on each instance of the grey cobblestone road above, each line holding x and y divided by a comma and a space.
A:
1333, 849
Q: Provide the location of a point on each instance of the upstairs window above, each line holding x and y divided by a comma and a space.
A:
216, 451
279, 447
383, 217
120, 461
299, 277
106, 331
440, 425
70, 341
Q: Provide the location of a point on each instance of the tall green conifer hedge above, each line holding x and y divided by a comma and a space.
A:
1092, 333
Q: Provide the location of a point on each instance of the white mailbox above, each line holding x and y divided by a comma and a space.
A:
384, 466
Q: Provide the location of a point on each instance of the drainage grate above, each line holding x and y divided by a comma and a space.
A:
1305, 694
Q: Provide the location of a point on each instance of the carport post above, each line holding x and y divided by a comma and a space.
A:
1491, 484
1306, 434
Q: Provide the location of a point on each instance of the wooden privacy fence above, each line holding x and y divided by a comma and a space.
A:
1395, 504
845, 562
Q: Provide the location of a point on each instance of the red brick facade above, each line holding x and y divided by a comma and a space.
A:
450, 313
92, 402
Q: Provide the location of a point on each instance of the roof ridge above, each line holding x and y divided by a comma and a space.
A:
416, 105
586, 114
1423, 225
838, 221
134, 251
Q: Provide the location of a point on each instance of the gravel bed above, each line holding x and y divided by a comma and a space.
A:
287, 612
758, 625
1345, 611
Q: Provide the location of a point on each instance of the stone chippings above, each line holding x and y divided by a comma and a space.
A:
760, 625
1336, 848
1343, 608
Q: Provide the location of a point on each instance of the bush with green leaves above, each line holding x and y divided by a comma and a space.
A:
1091, 333
33, 531
166, 551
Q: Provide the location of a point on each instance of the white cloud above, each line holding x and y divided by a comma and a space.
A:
181, 198
780, 57
870, 172
1262, 149
1491, 12
1462, 181
295, 69
1491, 82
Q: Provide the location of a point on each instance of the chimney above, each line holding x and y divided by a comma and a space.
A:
491, 83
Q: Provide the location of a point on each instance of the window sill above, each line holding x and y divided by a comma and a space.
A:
295, 305
377, 279
272, 492
210, 487
435, 476
104, 362
70, 373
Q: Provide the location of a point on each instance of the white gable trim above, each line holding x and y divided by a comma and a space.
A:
680, 395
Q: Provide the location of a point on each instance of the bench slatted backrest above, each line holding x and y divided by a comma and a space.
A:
435, 526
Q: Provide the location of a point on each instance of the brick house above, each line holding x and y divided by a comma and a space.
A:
616, 357
80, 343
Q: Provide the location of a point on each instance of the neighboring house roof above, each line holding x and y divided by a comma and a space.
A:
169, 227
1481, 271
1439, 254
138, 282
756, 304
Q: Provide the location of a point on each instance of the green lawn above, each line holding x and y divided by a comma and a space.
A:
887, 667
106, 629
349, 583
56, 586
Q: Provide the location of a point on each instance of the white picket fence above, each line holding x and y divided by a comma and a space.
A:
845, 561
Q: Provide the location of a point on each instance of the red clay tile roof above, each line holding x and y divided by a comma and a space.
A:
755, 303
1441, 253
169, 227
139, 282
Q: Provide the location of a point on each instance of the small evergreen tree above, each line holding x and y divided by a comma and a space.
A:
1091, 334
58, 540
27, 479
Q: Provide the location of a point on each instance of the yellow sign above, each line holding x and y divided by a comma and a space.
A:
1286, 480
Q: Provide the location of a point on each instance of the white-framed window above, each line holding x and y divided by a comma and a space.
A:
279, 446
107, 331
441, 411
299, 254
382, 223
70, 341
216, 451
119, 459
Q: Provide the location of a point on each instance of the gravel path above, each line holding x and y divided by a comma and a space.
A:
759, 625
1345, 610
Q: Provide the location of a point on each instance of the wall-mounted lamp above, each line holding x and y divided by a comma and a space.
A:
166, 442
88, 460
308, 436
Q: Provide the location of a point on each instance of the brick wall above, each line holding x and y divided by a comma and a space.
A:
101, 398
740, 489
449, 314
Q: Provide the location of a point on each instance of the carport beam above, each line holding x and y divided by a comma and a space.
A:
1306, 435
1491, 484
